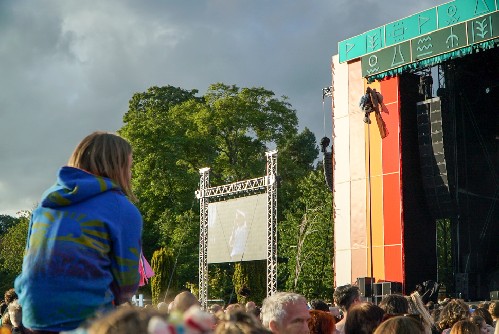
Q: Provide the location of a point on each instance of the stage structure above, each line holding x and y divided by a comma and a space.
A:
430, 152
242, 220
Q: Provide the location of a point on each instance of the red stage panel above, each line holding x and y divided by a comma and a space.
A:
389, 90
393, 261
392, 209
391, 143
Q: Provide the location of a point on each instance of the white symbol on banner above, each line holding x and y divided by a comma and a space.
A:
373, 61
452, 39
482, 27
424, 48
401, 59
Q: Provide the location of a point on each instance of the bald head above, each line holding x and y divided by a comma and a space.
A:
183, 301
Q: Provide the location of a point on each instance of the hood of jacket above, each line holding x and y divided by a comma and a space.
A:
75, 185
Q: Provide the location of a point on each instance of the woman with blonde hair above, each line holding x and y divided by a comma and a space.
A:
84, 239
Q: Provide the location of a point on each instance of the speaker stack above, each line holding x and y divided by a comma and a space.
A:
432, 158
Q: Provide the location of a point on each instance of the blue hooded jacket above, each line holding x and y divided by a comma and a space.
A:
82, 252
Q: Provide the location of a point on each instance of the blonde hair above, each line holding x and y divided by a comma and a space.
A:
105, 154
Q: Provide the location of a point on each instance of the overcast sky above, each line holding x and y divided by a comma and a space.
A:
69, 67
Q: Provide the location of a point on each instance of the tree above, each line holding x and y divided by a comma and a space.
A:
174, 134
12, 244
6, 222
305, 239
162, 263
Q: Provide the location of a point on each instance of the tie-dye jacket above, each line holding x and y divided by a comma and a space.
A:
82, 252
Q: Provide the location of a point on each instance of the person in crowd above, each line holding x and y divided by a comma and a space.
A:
163, 307
454, 311
318, 304
487, 317
335, 311
239, 322
250, 306
400, 325
128, 320
394, 304
363, 318
464, 327
183, 301
416, 307
344, 297
6, 325
233, 307
9, 296
321, 322
215, 308
15, 315
494, 311
84, 239
285, 313
479, 321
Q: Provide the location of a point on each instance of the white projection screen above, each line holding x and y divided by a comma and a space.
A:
237, 229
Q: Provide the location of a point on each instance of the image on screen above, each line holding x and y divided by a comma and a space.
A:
237, 229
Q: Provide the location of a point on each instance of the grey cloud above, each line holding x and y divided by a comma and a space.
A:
70, 67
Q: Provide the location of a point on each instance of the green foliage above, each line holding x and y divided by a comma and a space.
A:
162, 263
444, 253
174, 133
12, 245
305, 239
251, 277
220, 285
6, 222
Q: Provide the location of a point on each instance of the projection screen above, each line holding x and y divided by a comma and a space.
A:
237, 229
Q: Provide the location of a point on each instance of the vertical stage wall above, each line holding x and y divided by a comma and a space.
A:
382, 227
367, 181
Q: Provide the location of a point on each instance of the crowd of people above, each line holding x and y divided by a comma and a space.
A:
82, 265
282, 313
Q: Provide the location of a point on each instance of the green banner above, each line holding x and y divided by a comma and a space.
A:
430, 45
423, 23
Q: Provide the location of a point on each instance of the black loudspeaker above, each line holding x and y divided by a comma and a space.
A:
365, 284
432, 158
389, 288
494, 295
377, 289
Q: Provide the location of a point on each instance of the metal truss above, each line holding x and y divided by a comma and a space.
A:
271, 223
205, 192
204, 184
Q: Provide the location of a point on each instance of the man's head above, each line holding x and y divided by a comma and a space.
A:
183, 301
285, 312
346, 295
250, 306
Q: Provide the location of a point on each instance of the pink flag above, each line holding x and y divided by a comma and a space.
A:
145, 270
